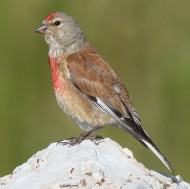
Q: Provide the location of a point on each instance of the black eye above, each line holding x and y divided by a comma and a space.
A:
57, 23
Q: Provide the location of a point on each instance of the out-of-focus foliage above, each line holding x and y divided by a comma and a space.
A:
146, 42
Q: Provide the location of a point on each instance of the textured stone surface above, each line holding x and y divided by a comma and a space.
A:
106, 165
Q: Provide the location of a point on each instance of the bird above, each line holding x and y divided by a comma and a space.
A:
87, 89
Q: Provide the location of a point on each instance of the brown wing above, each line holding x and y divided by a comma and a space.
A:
92, 74
96, 78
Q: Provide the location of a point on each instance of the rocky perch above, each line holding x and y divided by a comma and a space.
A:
103, 164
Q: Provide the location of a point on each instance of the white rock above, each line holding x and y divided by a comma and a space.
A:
87, 165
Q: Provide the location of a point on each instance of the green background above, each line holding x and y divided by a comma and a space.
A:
146, 42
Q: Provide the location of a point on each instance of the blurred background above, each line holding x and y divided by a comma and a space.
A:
146, 42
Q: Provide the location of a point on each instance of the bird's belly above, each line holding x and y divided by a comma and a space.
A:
83, 111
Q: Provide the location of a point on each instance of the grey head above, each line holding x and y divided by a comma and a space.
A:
62, 33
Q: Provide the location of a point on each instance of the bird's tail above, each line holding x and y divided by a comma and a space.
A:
159, 154
139, 133
134, 127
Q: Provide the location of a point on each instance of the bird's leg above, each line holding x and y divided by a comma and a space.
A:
77, 140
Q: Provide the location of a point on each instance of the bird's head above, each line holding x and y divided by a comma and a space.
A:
61, 32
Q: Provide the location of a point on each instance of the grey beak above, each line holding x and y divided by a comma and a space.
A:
41, 29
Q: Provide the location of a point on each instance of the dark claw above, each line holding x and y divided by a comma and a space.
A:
65, 142
97, 139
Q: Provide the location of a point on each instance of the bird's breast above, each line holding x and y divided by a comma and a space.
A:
74, 103
58, 82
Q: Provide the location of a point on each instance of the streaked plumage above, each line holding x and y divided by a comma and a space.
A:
86, 87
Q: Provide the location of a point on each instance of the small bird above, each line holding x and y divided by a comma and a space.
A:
86, 87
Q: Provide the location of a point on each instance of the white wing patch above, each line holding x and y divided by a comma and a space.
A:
117, 89
111, 112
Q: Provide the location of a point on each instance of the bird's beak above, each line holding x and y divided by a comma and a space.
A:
41, 29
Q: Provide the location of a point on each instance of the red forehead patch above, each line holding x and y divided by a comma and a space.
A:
51, 16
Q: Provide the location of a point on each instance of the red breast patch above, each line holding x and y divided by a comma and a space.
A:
56, 80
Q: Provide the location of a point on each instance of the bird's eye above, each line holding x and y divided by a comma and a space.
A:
57, 23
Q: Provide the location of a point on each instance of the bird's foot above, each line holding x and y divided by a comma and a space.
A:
77, 140
66, 141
